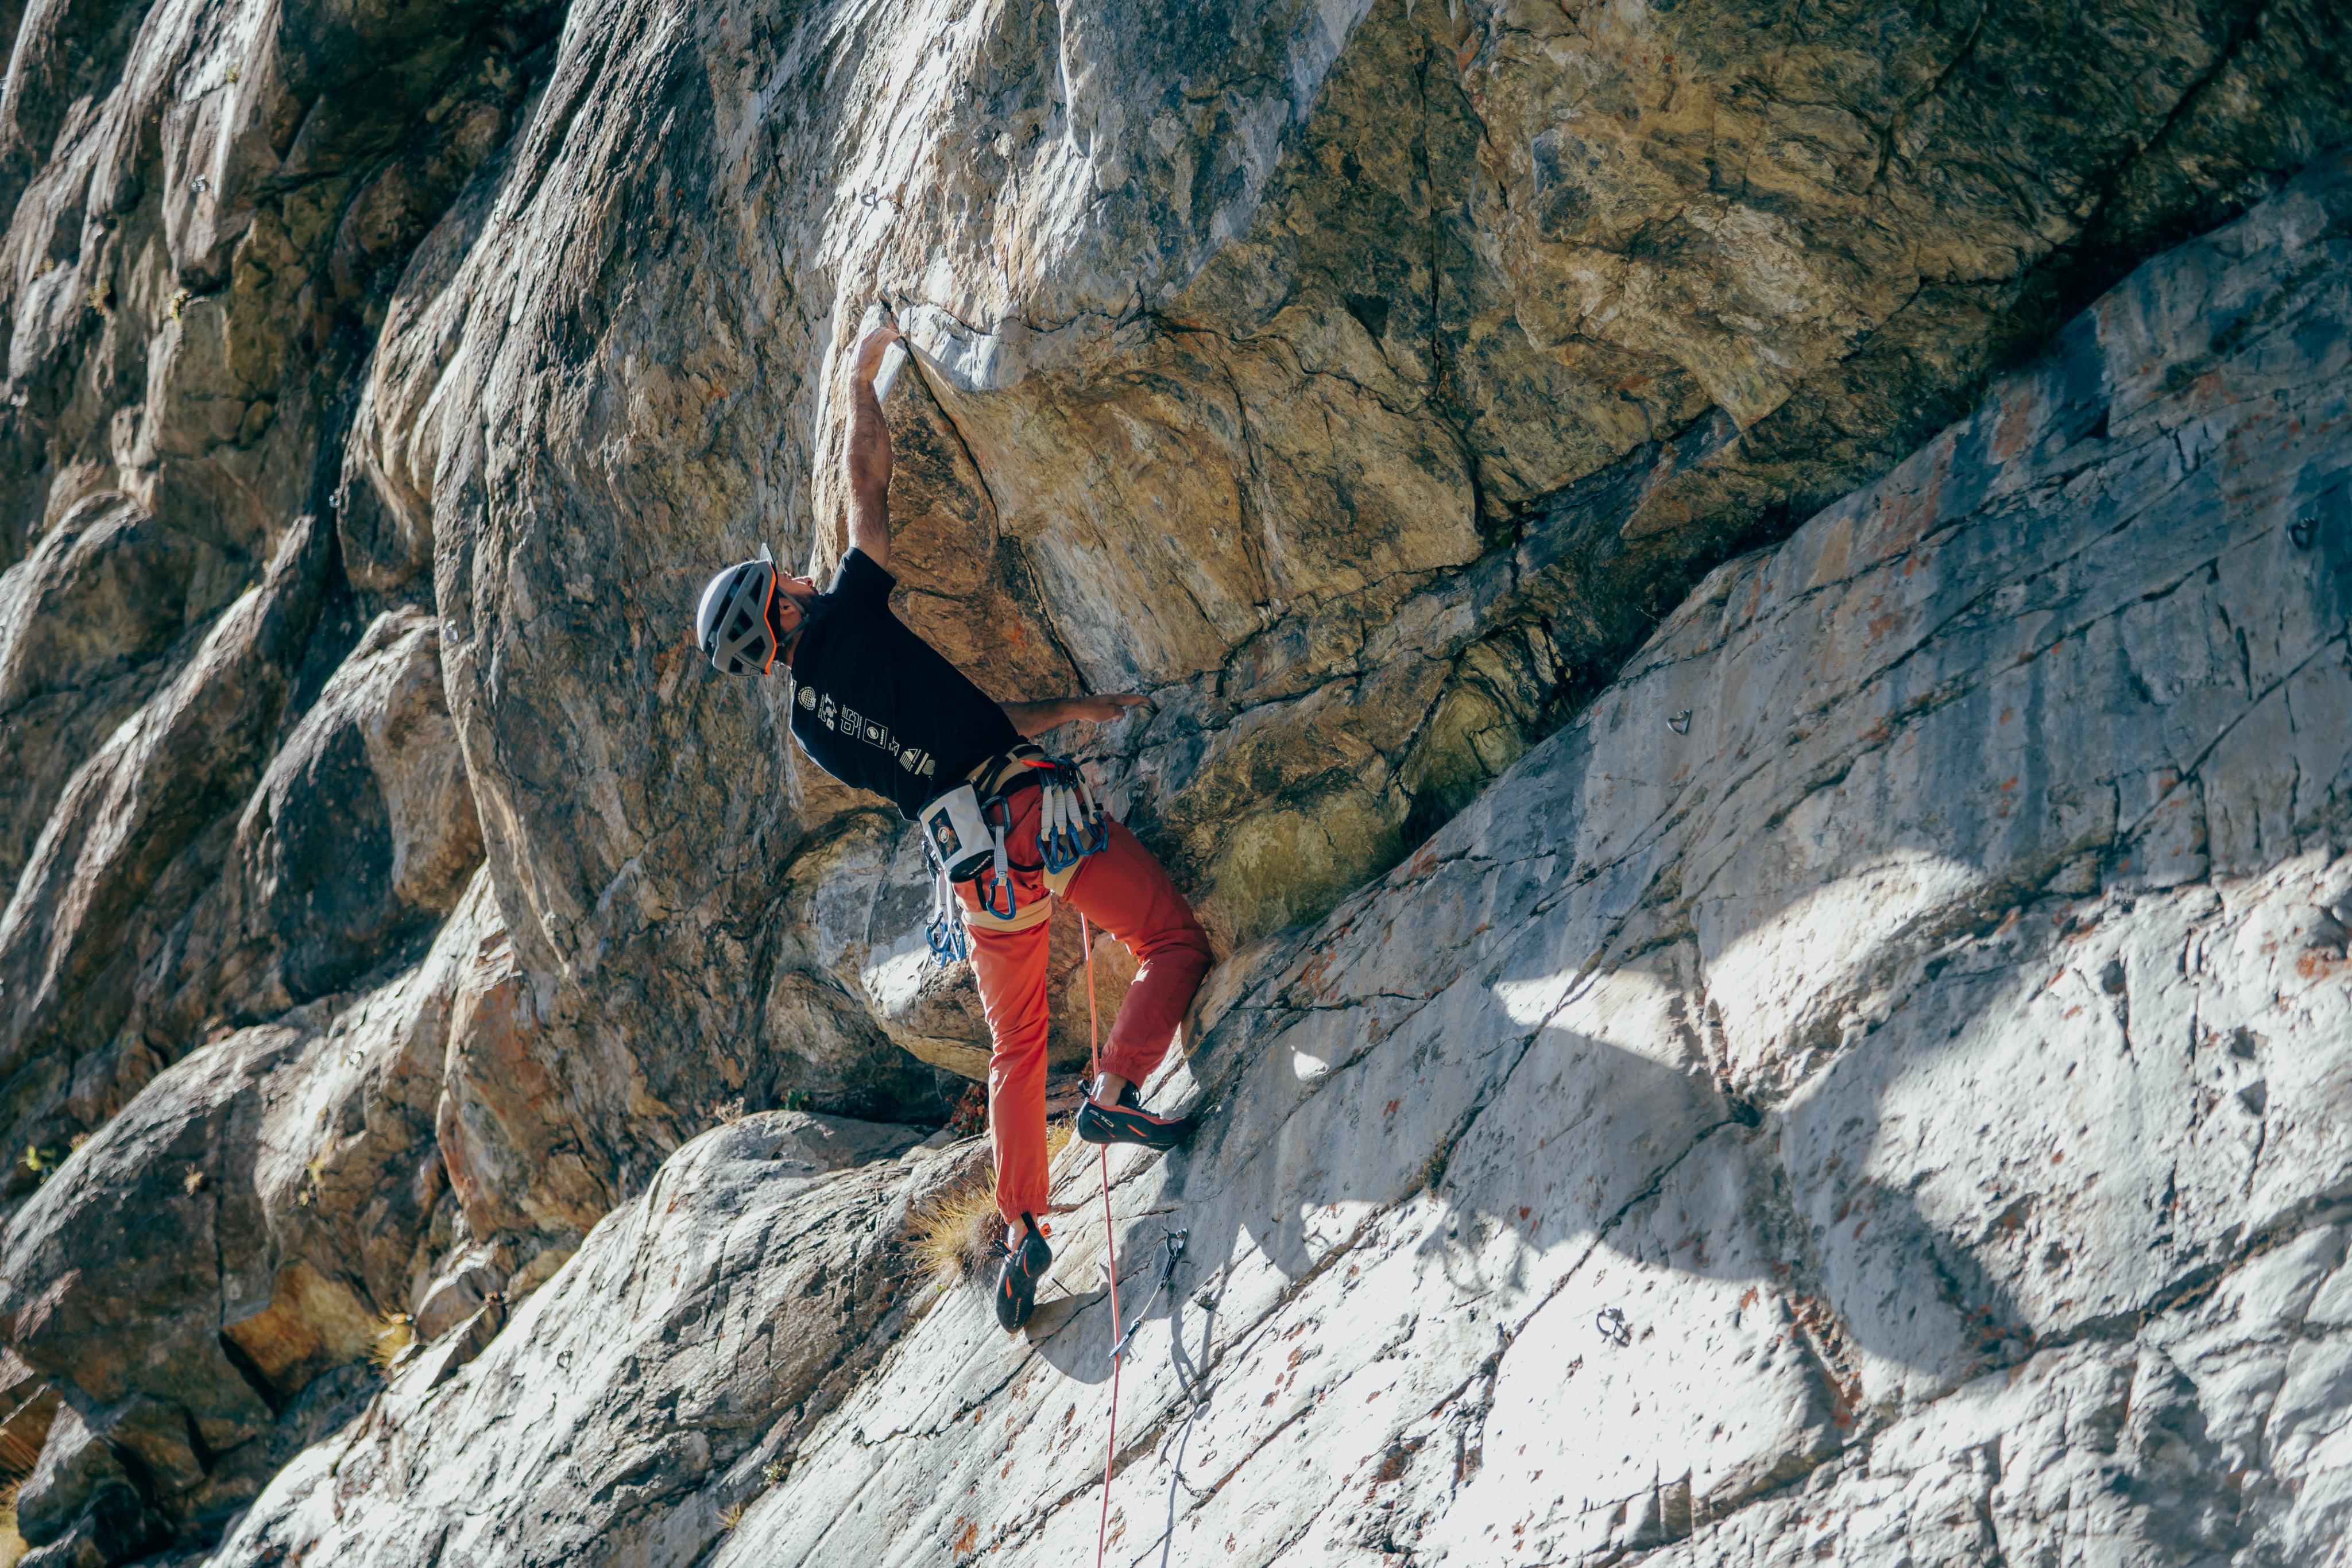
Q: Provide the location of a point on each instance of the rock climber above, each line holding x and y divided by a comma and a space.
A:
879, 709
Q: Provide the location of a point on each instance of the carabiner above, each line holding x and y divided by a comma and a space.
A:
988, 901
945, 934
1093, 823
948, 942
1057, 844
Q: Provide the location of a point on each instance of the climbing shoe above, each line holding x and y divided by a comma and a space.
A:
1017, 1277
1128, 1123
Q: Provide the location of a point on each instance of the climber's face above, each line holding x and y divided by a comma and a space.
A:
786, 612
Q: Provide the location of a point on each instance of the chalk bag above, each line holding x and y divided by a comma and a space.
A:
964, 840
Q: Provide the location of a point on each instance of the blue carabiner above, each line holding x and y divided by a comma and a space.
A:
1082, 829
1056, 849
980, 885
948, 942
1091, 827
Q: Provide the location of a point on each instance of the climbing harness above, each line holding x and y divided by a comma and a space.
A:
964, 840
1110, 1244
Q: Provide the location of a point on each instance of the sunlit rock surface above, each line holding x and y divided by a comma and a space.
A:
1873, 1087
392, 894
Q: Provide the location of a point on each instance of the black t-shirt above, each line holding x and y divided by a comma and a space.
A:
876, 706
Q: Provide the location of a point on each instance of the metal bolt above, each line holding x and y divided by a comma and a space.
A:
1611, 1322
1680, 723
2302, 532
203, 184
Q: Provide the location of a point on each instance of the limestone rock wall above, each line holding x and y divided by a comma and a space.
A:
1874, 1087
392, 894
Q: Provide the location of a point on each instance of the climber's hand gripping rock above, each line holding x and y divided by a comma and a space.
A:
1035, 719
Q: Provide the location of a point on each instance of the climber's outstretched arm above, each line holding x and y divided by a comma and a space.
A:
869, 450
1036, 719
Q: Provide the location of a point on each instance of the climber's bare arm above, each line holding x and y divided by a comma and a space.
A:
869, 450
1036, 719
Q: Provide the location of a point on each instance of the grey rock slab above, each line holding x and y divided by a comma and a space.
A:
2064, 1138
358, 837
1366, 380
85, 620
135, 833
203, 1279
700, 1327
2154, 1450
1763, 1033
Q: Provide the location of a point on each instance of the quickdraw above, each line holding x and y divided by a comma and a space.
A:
997, 887
1175, 1241
950, 943
1611, 1322
1071, 823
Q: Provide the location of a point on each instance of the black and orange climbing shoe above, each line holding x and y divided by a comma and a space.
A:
1017, 1277
1128, 1123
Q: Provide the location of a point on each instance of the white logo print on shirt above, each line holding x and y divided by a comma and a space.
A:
873, 732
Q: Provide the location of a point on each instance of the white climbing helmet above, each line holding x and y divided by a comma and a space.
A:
731, 622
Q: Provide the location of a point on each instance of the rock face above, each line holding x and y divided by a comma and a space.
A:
761, 1276
396, 909
1874, 1087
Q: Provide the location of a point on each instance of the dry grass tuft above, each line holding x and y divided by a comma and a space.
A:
393, 1333
12, 1546
728, 1517
956, 1236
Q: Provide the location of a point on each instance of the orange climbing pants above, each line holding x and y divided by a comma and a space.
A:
1127, 893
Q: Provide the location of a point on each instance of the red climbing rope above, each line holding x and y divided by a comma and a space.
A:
1110, 1248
